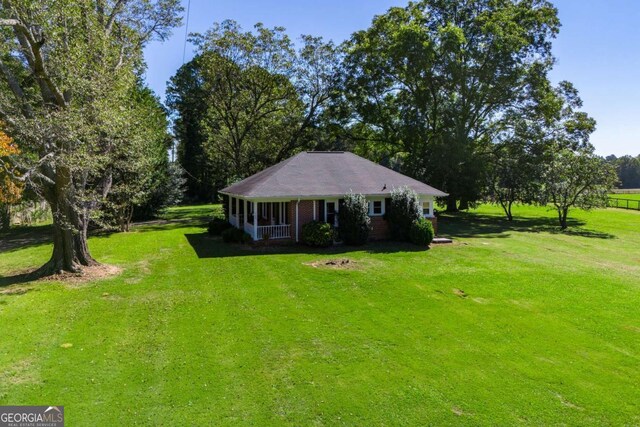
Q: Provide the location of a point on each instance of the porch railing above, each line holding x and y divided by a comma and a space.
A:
274, 231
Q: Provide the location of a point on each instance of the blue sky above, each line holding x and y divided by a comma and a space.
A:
598, 49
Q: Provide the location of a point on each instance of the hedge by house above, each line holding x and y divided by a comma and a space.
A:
421, 232
404, 211
316, 233
355, 223
218, 225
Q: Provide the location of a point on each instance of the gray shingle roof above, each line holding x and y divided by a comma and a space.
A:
323, 174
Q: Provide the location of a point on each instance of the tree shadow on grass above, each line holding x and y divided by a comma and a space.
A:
206, 246
24, 237
17, 279
154, 225
468, 225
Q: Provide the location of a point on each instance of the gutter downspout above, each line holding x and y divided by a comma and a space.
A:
297, 205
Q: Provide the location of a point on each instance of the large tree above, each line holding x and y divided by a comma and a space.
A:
569, 174
140, 165
67, 68
247, 100
576, 179
426, 83
186, 99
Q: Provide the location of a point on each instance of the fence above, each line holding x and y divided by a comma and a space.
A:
626, 191
616, 202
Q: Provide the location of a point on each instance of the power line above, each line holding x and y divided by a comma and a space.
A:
186, 32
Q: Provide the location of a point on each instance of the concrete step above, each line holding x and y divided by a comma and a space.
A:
441, 240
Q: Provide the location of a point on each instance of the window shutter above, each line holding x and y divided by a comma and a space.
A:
321, 210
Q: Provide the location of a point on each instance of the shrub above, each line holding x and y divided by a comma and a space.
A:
246, 238
229, 235
355, 223
316, 233
404, 211
235, 235
421, 232
218, 225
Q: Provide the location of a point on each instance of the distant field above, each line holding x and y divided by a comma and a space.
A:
630, 196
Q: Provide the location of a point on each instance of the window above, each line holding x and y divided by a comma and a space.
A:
425, 208
233, 205
376, 208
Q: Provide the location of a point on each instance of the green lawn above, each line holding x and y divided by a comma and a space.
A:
630, 196
515, 323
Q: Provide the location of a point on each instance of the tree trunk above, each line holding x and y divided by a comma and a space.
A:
5, 217
506, 207
70, 224
464, 205
452, 204
562, 216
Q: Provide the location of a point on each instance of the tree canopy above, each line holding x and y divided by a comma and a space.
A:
67, 71
248, 99
425, 84
628, 170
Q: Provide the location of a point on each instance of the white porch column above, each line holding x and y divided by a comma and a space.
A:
431, 200
229, 208
245, 217
271, 219
255, 220
314, 210
283, 215
238, 214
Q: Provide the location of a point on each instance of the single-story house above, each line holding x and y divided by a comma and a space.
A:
278, 201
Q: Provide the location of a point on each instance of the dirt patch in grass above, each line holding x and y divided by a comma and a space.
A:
459, 292
23, 281
16, 290
335, 264
18, 373
459, 412
88, 274
632, 328
568, 404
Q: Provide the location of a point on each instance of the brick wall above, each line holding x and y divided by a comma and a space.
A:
434, 221
305, 215
379, 228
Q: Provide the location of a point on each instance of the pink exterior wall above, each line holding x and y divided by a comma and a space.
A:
305, 215
380, 227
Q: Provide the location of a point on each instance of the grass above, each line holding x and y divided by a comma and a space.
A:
630, 196
515, 323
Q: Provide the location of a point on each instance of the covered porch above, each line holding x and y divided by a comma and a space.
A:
262, 220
